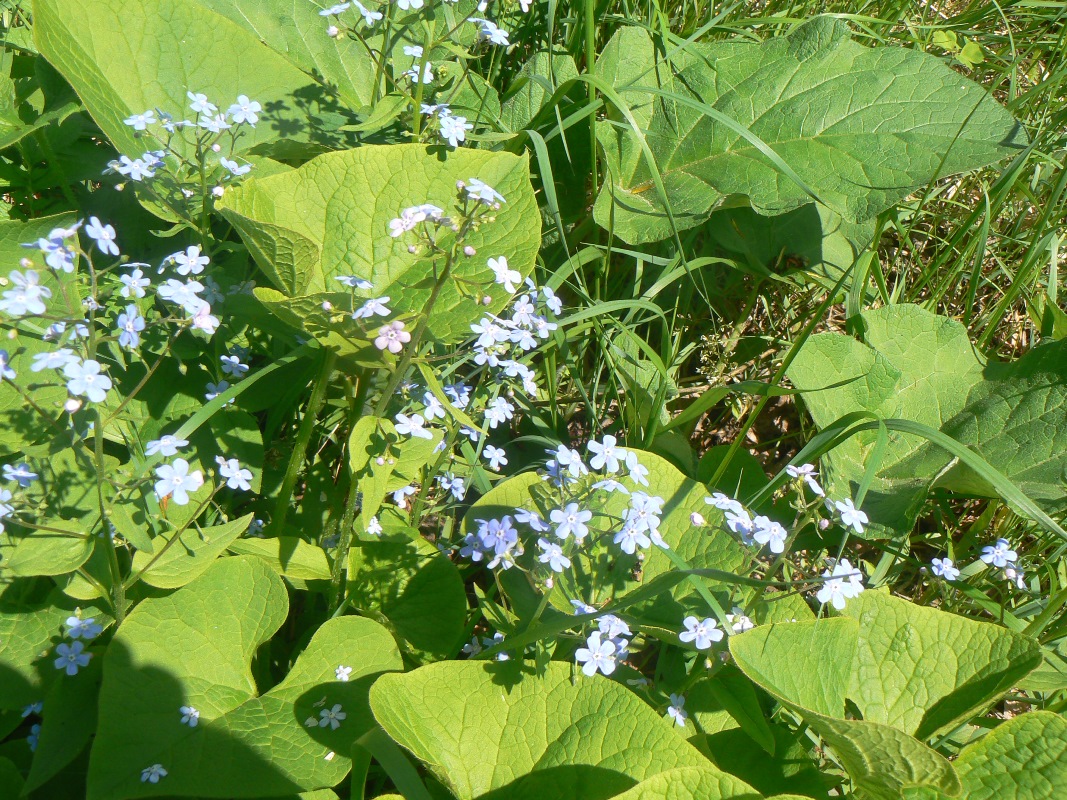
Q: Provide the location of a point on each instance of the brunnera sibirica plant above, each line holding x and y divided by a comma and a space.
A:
440, 399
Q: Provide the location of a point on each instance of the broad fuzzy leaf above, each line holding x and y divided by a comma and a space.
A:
860, 127
1024, 758
491, 730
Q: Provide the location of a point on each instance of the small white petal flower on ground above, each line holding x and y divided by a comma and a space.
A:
103, 235
374, 527
141, 121
235, 169
200, 104
166, 445
851, 517
570, 521
532, 519
552, 554
503, 274
606, 454
369, 16
638, 472
237, 477
999, 554
153, 773
175, 481
495, 456
944, 568
134, 284
479, 190
71, 657
22, 474
1014, 575
86, 380
613, 627
190, 716
232, 366
245, 110
677, 711
807, 473
401, 495
392, 337
770, 533
701, 633
130, 323
843, 583
412, 426
78, 628
738, 621
372, 307
631, 537
190, 261
596, 656
454, 129
342, 673
332, 717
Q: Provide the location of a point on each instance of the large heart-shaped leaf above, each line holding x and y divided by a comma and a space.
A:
893, 652
860, 128
194, 648
130, 56
491, 730
330, 218
918, 366
1024, 758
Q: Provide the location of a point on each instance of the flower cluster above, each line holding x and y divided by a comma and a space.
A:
998, 555
72, 657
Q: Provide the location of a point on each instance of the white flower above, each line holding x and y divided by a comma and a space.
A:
86, 380
677, 711
153, 773
606, 455
71, 658
141, 121
235, 169
343, 673
412, 426
807, 473
215, 389
842, 584
190, 716
26, 296
130, 324
167, 444
374, 527
427, 73
999, 554
498, 412
369, 17
638, 472
24, 476
245, 110
200, 104
596, 655
739, 622
769, 533
53, 360
944, 568
332, 717
631, 537
215, 124
610, 485
33, 708
570, 460
176, 481
408, 5
231, 365
503, 274
479, 190
190, 261
103, 235
78, 628
392, 337
552, 554
530, 518
700, 633
134, 284
454, 129
334, 10
236, 476
571, 521
492, 33
352, 282
496, 456
850, 515
554, 304
1015, 575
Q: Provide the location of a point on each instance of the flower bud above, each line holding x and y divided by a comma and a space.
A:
72, 405
487, 300
327, 305
412, 249
824, 524
696, 519
216, 148
25, 263
380, 461
469, 251
333, 31
217, 191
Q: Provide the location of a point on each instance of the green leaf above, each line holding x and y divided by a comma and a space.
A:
783, 122
557, 735
194, 648
30, 626
1024, 758
294, 29
534, 86
68, 722
330, 218
289, 556
131, 56
189, 557
791, 767
900, 653
416, 588
920, 367
690, 783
